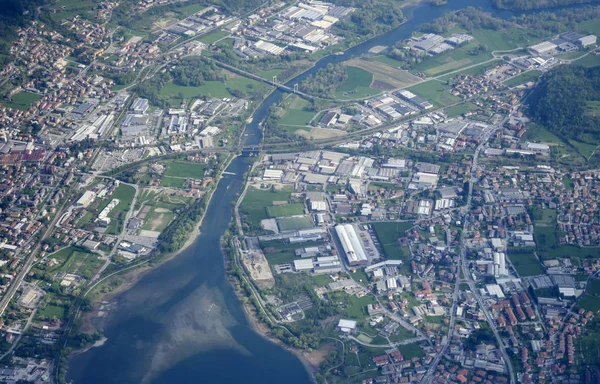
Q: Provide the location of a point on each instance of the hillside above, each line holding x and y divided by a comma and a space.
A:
526, 5
567, 102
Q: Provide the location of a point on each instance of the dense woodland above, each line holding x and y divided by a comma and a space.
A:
526, 5
566, 102
370, 18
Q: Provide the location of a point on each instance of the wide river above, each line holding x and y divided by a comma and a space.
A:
182, 322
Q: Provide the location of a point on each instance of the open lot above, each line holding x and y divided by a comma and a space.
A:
213, 36
22, 100
158, 219
526, 264
285, 210
387, 234
460, 109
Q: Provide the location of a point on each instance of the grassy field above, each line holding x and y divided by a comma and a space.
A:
295, 223
388, 61
76, 261
358, 84
435, 92
185, 170
589, 27
255, 201
208, 89
526, 264
178, 171
51, 311
22, 100
523, 78
285, 210
391, 77
545, 235
461, 109
69, 8
158, 219
590, 303
387, 235
589, 61
539, 133
295, 113
586, 150
213, 36
411, 350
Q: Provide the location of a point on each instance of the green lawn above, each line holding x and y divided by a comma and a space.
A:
411, 350
523, 78
590, 303
358, 306
387, 235
435, 92
586, 150
590, 60
321, 280
125, 194
285, 210
22, 100
280, 257
545, 236
295, 223
526, 264
172, 182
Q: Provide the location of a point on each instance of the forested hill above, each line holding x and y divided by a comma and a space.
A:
567, 102
526, 5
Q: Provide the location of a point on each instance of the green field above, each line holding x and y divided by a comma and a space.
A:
208, 89
586, 150
460, 109
526, 264
82, 8
545, 236
435, 92
411, 350
285, 210
254, 203
158, 219
185, 170
590, 303
387, 235
590, 60
295, 223
76, 261
51, 311
358, 80
213, 36
178, 171
22, 100
125, 194
295, 117
388, 60
523, 78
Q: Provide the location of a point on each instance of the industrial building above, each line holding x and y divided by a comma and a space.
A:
351, 244
86, 199
542, 48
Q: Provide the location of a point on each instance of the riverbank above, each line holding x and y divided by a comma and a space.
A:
91, 321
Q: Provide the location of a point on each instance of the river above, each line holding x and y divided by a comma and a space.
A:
182, 322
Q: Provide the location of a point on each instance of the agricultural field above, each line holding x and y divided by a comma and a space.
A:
591, 298
384, 76
22, 100
65, 9
435, 92
590, 60
295, 223
526, 264
285, 210
388, 234
545, 235
253, 206
388, 61
76, 261
523, 78
357, 84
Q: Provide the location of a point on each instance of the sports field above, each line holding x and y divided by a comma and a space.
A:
285, 210
295, 223
387, 234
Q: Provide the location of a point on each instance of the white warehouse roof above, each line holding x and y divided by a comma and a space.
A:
351, 244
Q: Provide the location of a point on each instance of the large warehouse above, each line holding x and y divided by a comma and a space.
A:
351, 244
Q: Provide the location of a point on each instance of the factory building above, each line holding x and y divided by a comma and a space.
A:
351, 245
542, 48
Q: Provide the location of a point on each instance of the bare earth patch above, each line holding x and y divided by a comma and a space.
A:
384, 73
320, 133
